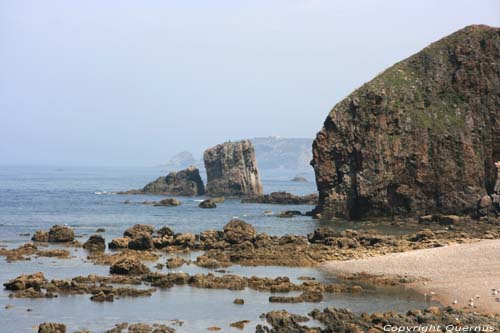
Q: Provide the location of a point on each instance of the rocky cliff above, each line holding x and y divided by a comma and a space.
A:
232, 170
422, 137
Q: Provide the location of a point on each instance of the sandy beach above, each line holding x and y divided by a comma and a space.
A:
453, 273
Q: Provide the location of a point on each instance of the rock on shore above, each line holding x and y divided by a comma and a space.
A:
232, 170
343, 320
420, 138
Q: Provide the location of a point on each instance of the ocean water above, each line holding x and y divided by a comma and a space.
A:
33, 198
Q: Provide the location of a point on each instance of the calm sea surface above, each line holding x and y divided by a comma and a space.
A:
33, 198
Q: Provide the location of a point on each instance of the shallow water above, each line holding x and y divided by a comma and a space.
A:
33, 198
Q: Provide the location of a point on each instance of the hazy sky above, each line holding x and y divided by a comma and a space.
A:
133, 82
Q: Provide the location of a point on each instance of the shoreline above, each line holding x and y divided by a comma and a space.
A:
458, 272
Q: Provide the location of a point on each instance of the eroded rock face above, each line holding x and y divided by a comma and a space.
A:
232, 170
420, 138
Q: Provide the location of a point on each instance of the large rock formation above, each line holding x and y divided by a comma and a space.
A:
186, 182
232, 170
421, 137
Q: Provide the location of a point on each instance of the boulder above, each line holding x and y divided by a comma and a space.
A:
232, 170
168, 202
238, 231
321, 234
209, 203
175, 262
420, 138
484, 205
141, 241
40, 236
138, 229
51, 328
22, 282
289, 213
119, 243
95, 243
165, 231
60, 234
422, 235
184, 240
128, 266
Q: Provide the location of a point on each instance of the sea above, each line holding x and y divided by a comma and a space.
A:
37, 197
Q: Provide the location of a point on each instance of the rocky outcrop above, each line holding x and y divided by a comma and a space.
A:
238, 231
40, 236
232, 170
283, 198
22, 282
138, 229
128, 266
420, 138
343, 320
52, 328
208, 203
95, 243
186, 182
61, 234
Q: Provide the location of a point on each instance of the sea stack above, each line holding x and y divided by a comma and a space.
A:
422, 137
232, 170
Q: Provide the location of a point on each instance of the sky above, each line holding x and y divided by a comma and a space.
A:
122, 82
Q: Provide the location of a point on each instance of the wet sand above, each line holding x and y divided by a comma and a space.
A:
453, 273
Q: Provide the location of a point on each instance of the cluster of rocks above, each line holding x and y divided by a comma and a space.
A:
132, 272
343, 320
283, 198
25, 251
231, 171
37, 286
239, 242
236, 282
119, 328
